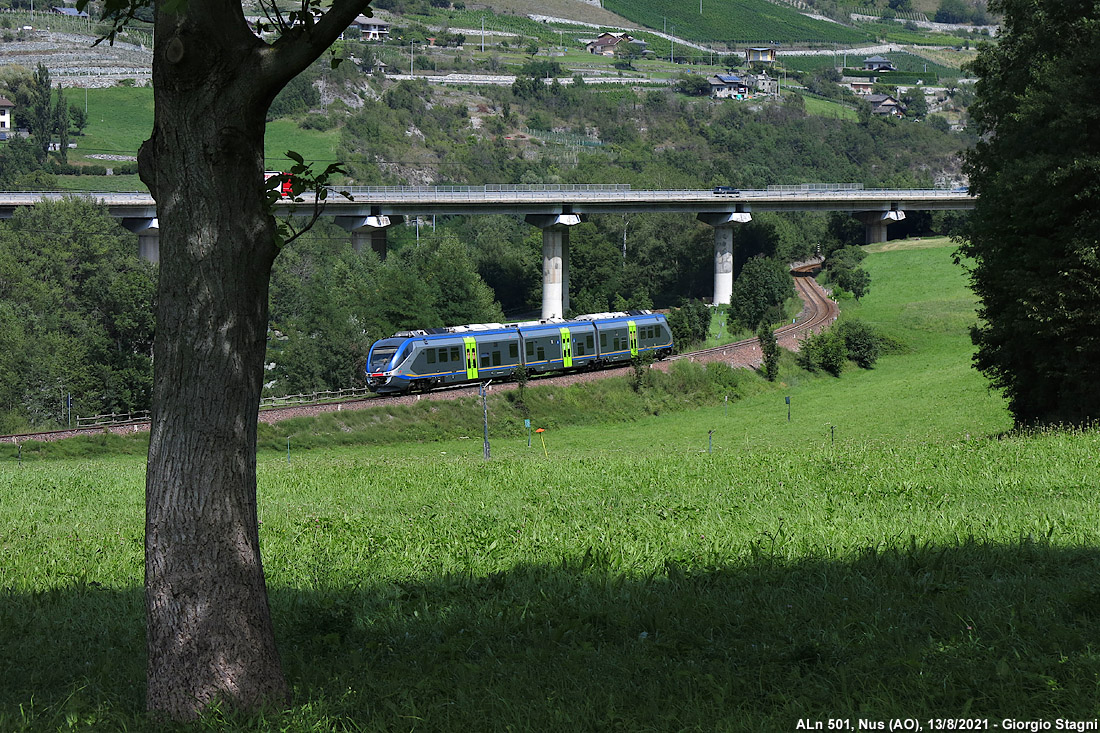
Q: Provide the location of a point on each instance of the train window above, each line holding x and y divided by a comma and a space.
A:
615, 344
513, 351
484, 361
578, 348
431, 355
591, 342
496, 358
454, 353
530, 349
603, 340
541, 354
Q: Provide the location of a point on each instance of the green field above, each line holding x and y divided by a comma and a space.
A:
889, 551
828, 108
121, 118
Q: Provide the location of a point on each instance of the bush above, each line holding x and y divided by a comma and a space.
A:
824, 351
689, 323
769, 347
862, 342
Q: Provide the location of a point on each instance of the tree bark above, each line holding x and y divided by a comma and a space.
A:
209, 629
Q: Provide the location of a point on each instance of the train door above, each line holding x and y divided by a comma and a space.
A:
471, 357
566, 349
633, 337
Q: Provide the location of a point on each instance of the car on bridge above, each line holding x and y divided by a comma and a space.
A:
727, 191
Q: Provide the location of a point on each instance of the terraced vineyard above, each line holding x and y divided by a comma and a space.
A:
734, 21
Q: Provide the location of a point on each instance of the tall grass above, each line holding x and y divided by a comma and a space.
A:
920, 560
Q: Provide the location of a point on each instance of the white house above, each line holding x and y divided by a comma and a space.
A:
878, 63
372, 29
6, 113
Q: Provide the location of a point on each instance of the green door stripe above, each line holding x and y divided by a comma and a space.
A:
471, 357
566, 348
633, 337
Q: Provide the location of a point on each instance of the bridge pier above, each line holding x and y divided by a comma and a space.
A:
148, 231
555, 260
371, 229
723, 223
875, 223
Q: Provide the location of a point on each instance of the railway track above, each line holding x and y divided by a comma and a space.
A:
817, 313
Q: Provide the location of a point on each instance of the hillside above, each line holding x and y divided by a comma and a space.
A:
887, 552
736, 21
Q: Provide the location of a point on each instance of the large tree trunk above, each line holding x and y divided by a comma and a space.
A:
209, 629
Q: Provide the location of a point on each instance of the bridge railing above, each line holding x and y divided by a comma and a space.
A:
490, 188
816, 187
529, 193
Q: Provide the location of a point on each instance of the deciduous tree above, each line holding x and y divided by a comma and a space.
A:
1033, 236
208, 625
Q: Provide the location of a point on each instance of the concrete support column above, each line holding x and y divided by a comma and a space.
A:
149, 247
555, 272
875, 223
723, 250
555, 261
148, 231
369, 229
723, 265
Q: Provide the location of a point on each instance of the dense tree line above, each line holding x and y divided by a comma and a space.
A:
329, 304
75, 316
1033, 237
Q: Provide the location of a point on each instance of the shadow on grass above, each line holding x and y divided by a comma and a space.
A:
979, 630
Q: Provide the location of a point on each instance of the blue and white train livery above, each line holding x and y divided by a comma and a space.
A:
421, 360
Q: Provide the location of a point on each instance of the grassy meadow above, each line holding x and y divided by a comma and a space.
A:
121, 118
890, 550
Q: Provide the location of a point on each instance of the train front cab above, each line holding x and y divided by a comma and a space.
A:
384, 365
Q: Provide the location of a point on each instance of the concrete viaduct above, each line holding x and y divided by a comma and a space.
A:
554, 209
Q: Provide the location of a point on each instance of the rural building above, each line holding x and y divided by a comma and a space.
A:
884, 104
878, 63
71, 12
760, 55
858, 84
763, 84
728, 86
371, 29
608, 43
741, 86
7, 110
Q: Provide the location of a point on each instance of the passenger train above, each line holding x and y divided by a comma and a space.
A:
421, 360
